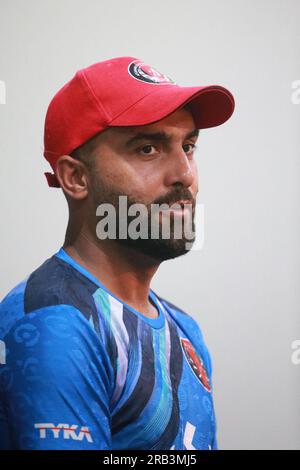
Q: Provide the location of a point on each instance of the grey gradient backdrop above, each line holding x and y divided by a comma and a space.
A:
243, 286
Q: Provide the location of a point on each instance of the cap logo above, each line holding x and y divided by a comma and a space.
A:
145, 73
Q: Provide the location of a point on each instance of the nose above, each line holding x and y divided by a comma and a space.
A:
180, 170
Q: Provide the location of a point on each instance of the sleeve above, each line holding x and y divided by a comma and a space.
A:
56, 383
209, 367
214, 445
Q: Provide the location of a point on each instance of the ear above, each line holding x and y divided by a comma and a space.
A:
72, 177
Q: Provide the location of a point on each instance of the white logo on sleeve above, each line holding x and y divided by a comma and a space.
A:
68, 431
2, 352
188, 436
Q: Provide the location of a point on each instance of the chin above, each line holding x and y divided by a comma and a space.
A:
160, 249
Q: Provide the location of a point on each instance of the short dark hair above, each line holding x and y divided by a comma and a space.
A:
85, 152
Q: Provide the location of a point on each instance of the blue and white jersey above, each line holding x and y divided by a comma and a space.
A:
80, 369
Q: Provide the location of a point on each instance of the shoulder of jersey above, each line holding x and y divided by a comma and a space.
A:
53, 283
176, 311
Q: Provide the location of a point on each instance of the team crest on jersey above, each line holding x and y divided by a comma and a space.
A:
145, 73
195, 363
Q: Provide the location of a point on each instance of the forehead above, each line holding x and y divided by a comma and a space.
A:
179, 122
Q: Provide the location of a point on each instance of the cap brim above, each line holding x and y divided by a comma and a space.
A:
210, 106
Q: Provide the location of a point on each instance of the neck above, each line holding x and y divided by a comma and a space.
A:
122, 270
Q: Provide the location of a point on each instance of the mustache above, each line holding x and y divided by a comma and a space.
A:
175, 196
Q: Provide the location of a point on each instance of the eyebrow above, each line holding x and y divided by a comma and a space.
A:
160, 136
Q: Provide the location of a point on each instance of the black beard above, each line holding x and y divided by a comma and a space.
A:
159, 248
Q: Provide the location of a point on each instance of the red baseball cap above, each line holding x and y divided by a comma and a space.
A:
123, 91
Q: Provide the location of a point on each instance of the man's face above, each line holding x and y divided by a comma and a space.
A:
151, 164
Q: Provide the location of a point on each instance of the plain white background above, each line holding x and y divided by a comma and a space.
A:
243, 286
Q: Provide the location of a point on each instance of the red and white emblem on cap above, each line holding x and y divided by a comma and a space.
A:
145, 73
195, 363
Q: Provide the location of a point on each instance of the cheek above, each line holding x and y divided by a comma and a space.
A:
196, 176
147, 183
119, 175
110, 171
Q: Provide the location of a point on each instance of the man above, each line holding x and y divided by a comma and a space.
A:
92, 358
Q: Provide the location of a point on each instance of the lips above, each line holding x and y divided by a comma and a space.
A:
182, 203
183, 207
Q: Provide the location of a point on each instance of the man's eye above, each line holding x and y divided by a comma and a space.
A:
146, 149
191, 149
150, 149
